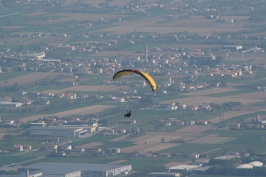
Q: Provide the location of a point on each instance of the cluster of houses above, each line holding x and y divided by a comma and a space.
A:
229, 73
179, 106
253, 124
178, 122
36, 98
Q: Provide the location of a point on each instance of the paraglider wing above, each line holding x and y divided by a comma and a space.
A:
146, 76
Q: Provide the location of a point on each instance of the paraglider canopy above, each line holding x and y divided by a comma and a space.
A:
146, 76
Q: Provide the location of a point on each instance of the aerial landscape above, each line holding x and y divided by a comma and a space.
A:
136, 88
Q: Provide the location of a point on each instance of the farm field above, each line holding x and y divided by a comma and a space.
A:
81, 88
78, 111
28, 78
106, 39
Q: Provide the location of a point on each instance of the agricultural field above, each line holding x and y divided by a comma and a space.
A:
101, 35
78, 111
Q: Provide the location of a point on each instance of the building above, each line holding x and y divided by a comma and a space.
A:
57, 131
24, 174
233, 47
256, 164
163, 174
78, 169
10, 104
181, 168
35, 55
244, 166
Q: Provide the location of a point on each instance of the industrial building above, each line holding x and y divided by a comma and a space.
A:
180, 168
163, 174
78, 169
59, 131
10, 104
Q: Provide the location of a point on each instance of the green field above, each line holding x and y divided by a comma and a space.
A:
236, 92
7, 160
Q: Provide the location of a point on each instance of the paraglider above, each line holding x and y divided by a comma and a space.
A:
146, 76
128, 114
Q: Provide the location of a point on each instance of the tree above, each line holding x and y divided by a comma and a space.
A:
163, 140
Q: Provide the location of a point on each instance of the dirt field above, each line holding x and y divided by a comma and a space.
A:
72, 16
120, 138
149, 147
102, 88
79, 111
158, 147
135, 148
29, 78
194, 129
89, 145
157, 139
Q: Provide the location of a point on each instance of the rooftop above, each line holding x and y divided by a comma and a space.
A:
64, 168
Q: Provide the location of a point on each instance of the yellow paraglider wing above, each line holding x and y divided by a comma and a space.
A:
146, 76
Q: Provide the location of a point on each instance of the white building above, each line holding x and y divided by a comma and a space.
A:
179, 168
79, 169
10, 104
256, 164
245, 166
163, 174
57, 131
35, 55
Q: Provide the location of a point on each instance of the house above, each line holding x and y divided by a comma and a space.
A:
71, 96
77, 149
84, 96
47, 94
93, 150
26, 147
192, 108
193, 156
179, 123
114, 150
144, 154
190, 122
18, 147
60, 95
65, 147
52, 147
202, 122
164, 154
233, 125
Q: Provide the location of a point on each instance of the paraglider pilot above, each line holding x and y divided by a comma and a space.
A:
128, 114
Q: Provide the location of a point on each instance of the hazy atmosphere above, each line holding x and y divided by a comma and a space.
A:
135, 88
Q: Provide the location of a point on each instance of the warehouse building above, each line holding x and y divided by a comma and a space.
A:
59, 131
78, 169
10, 104
163, 174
